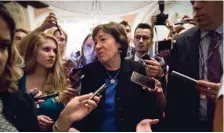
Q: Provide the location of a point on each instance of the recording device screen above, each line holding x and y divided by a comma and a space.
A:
143, 80
146, 57
163, 45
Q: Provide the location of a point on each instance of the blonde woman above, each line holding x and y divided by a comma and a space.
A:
48, 26
16, 108
44, 72
61, 37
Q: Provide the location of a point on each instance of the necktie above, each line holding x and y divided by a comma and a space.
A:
214, 69
214, 61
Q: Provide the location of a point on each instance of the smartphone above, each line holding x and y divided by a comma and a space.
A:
143, 80
183, 77
34, 93
46, 97
163, 45
75, 84
98, 91
75, 77
145, 57
77, 54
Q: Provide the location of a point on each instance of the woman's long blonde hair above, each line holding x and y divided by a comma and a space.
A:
55, 80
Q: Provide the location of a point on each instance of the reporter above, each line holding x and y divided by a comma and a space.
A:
78, 108
187, 109
16, 109
44, 71
88, 54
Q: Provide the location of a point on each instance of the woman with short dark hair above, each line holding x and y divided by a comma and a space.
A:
124, 104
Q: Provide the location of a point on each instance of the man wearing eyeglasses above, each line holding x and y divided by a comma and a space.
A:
143, 36
142, 40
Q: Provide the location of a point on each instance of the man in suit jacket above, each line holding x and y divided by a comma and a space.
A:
190, 107
155, 67
127, 28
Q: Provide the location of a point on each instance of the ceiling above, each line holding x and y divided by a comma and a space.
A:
107, 7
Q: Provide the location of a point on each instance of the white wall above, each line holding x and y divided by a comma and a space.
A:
78, 26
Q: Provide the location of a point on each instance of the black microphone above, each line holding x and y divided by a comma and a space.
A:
99, 91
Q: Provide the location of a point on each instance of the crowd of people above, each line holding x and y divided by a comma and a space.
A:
41, 90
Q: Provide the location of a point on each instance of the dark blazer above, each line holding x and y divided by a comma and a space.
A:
183, 99
132, 103
19, 109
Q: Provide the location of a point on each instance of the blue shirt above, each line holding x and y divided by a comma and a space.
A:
109, 117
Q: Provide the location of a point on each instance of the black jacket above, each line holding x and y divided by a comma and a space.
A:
19, 109
133, 104
182, 98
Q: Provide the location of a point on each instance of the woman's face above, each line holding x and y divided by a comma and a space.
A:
88, 50
61, 41
46, 54
89, 42
106, 47
5, 42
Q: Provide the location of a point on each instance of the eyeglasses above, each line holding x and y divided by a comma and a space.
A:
144, 38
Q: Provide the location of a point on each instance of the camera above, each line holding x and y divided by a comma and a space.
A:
161, 17
163, 45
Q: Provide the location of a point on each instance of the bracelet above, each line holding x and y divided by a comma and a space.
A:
56, 128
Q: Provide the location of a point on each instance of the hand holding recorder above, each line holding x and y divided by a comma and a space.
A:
78, 108
150, 85
206, 88
152, 66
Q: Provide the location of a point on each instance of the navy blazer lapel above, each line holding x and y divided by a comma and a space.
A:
193, 41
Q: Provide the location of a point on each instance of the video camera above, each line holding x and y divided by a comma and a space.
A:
161, 17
